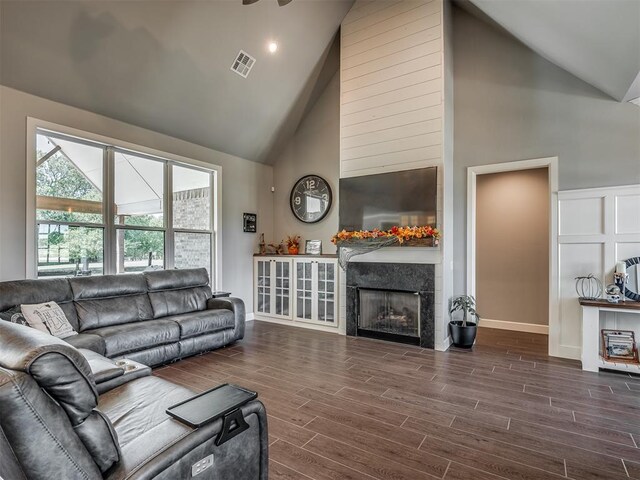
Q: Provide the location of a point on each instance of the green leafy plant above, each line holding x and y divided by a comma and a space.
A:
465, 304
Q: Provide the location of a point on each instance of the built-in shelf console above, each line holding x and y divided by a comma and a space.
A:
592, 358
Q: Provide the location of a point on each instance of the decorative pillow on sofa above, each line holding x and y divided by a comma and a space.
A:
49, 318
14, 315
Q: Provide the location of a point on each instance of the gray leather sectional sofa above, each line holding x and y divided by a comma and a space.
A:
70, 410
152, 318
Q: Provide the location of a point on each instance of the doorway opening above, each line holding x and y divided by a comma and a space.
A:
511, 252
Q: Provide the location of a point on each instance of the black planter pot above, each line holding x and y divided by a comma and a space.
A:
462, 337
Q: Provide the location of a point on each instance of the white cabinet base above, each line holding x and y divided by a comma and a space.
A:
311, 294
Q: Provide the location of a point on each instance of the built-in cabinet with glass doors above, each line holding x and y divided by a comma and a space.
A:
300, 289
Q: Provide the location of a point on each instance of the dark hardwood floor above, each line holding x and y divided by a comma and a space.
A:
353, 408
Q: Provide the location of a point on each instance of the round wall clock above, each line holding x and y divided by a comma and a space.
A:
311, 199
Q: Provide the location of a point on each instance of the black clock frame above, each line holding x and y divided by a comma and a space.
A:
330, 201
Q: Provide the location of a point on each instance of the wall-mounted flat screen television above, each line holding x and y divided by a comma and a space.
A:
406, 198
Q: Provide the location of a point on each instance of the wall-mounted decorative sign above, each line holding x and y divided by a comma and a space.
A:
249, 221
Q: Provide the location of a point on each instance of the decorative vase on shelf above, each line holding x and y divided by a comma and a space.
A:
293, 244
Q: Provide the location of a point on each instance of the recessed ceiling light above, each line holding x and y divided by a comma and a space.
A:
273, 47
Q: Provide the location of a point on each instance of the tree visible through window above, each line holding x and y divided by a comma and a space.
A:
71, 215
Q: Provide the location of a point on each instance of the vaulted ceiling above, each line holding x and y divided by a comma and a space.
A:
598, 41
165, 65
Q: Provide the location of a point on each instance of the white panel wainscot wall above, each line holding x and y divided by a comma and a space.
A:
597, 227
391, 112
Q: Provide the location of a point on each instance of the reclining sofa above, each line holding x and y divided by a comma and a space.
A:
55, 425
152, 318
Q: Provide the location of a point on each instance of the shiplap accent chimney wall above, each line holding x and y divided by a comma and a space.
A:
391, 86
392, 116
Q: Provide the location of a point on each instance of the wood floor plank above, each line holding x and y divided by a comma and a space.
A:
382, 447
432, 405
384, 430
570, 438
433, 415
277, 471
461, 472
364, 409
568, 452
426, 390
622, 425
479, 442
363, 461
291, 432
311, 464
487, 463
578, 471
633, 468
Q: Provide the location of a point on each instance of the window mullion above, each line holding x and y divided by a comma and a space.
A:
110, 243
213, 219
169, 240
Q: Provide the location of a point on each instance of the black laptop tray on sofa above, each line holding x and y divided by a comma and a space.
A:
222, 401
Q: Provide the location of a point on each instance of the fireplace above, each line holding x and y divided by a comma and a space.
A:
391, 301
389, 315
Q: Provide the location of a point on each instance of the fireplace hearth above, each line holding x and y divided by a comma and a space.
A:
391, 301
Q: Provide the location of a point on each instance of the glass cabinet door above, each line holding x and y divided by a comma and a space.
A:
304, 289
326, 302
264, 286
282, 287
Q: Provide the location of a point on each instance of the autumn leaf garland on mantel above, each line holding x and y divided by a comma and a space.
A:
401, 234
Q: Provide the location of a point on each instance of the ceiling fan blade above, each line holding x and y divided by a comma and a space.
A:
282, 3
248, 2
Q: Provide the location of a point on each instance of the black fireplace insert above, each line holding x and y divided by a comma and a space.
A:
389, 315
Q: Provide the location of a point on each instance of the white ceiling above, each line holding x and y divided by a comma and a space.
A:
165, 65
596, 40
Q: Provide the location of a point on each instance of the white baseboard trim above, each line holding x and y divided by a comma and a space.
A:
291, 323
515, 326
249, 317
443, 346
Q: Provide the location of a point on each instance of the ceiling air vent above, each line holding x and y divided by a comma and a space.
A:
243, 63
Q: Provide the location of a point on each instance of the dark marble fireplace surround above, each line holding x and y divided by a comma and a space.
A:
405, 277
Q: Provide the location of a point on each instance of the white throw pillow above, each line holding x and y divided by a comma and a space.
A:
49, 318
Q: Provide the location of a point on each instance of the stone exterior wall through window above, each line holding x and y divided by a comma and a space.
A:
192, 210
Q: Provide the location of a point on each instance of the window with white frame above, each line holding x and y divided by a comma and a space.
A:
102, 209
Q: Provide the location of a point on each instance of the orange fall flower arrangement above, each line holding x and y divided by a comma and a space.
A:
403, 234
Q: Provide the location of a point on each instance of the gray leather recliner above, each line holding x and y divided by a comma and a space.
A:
55, 425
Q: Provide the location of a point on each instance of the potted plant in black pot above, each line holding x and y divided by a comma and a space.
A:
463, 332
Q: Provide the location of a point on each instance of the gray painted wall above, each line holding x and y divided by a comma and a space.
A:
314, 148
511, 104
245, 184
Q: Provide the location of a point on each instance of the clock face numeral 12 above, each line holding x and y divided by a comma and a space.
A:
311, 199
